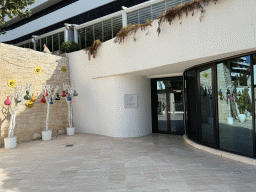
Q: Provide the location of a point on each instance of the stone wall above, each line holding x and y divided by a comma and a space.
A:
19, 64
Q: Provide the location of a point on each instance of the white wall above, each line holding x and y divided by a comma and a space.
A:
99, 107
227, 29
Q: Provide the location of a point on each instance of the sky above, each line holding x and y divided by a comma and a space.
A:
54, 17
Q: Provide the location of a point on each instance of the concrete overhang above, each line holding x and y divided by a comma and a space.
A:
37, 12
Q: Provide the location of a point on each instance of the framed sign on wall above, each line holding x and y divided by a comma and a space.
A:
130, 100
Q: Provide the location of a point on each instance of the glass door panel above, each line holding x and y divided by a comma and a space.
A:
162, 112
206, 96
235, 105
176, 112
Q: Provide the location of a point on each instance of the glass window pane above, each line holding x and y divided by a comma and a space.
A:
55, 42
158, 9
89, 36
172, 3
49, 43
162, 112
26, 45
31, 45
144, 14
133, 17
107, 30
206, 96
235, 105
38, 45
61, 34
98, 31
117, 24
43, 41
81, 38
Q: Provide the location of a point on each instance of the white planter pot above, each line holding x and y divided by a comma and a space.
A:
230, 120
248, 114
210, 120
242, 117
70, 130
163, 112
47, 135
10, 142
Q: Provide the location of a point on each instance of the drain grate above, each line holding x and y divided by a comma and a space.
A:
70, 145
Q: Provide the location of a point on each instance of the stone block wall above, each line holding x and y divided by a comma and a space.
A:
19, 64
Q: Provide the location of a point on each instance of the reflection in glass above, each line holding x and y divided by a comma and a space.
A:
172, 84
206, 106
235, 105
162, 112
176, 112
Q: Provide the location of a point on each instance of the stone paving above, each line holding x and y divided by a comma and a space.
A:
155, 163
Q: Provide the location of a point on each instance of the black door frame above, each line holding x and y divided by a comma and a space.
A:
154, 101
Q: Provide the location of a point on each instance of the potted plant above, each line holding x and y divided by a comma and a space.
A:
70, 93
11, 141
49, 93
243, 104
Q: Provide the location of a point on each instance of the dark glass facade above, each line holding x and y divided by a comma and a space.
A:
220, 104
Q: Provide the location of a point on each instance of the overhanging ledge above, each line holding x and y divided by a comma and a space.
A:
232, 156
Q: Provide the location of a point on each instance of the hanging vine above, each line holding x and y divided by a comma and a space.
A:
129, 29
177, 11
93, 49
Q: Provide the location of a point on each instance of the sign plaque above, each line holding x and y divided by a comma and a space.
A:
130, 100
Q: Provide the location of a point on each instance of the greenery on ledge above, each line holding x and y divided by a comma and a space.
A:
69, 47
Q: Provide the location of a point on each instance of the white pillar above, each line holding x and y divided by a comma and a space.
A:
66, 35
34, 41
124, 19
75, 35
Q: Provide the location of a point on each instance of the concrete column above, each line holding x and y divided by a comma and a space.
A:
124, 18
34, 41
75, 35
66, 35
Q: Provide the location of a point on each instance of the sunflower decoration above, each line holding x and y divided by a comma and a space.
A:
11, 83
38, 69
205, 75
63, 68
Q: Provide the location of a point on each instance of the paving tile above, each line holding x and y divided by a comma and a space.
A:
154, 163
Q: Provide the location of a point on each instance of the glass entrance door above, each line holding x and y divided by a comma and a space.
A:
170, 110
